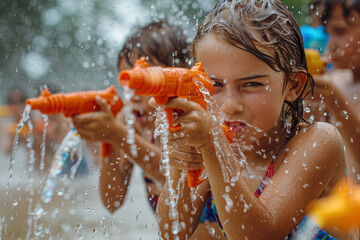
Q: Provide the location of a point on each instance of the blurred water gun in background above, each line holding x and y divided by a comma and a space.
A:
166, 83
315, 63
315, 38
315, 41
76, 103
341, 209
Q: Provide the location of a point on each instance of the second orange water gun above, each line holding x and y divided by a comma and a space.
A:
341, 209
166, 83
76, 103
314, 61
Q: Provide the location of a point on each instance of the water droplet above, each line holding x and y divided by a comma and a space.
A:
305, 185
15, 203
117, 204
307, 110
60, 191
175, 227
211, 231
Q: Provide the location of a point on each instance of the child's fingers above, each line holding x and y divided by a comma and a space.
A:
84, 118
180, 103
85, 134
180, 164
102, 103
185, 160
183, 104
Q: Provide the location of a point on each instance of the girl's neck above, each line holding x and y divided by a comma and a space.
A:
270, 144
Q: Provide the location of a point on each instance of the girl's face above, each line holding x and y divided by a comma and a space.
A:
247, 90
344, 42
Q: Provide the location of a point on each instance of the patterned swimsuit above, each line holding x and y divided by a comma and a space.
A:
301, 227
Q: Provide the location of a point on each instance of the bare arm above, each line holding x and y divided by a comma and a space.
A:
102, 126
115, 174
306, 175
189, 210
283, 203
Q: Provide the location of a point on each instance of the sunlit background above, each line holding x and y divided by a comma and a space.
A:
73, 44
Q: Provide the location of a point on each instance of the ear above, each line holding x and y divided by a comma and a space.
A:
295, 86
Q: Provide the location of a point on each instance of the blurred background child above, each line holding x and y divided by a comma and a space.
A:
163, 45
337, 90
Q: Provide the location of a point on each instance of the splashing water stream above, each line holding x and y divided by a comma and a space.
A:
30, 169
130, 120
24, 119
66, 150
163, 131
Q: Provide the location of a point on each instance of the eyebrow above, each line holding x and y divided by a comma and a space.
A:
254, 76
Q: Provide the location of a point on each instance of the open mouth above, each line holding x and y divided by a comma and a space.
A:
138, 114
235, 126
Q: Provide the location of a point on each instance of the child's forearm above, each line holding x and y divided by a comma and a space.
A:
235, 202
115, 175
148, 154
188, 212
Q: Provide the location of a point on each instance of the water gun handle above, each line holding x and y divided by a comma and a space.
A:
105, 150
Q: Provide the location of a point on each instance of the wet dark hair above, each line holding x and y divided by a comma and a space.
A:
161, 42
347, 6
255, 25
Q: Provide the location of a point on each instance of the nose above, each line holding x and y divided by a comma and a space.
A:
232, 102
332, 45
136, 99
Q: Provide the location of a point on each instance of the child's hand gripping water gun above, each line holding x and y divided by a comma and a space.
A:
166, 83
340, 209
75, 103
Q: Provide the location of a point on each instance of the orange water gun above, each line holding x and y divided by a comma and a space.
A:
340, 209
314, 62
166, 83
76, 103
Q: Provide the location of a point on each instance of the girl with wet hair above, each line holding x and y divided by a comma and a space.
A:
338, 89
163, 45
277, 164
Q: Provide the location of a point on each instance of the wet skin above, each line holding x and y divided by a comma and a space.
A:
249, 91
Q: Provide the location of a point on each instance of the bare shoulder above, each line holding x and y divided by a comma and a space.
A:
322, 145
321, 135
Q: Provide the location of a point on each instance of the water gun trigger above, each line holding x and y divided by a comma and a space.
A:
45, 93
194, 177
141, 63
169, 113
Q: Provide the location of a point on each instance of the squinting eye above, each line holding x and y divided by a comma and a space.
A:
217, 84
253, 84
